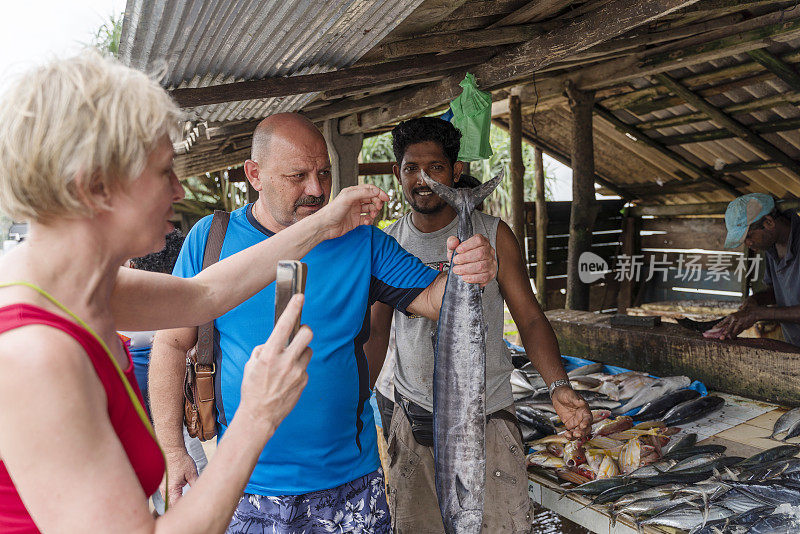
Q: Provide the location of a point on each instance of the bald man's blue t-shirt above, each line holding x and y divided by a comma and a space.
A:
329, 437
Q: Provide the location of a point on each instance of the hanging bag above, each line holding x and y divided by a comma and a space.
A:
472, 115
200, 408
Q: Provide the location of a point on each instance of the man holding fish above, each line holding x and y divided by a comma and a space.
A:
753, 220
429, 147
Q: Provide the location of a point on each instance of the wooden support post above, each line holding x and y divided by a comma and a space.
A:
517, 171
630, 247
657, 145
584, 204
733, 126
344, 151
541, 229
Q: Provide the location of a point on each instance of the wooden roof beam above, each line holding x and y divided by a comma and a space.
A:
614, 18
636, 135
713, 135
461, 40
532, 11
730, 124
777, 66
743, 107
337, 79
748, 35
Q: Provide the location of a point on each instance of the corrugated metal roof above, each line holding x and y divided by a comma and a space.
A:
779, 180
198, 43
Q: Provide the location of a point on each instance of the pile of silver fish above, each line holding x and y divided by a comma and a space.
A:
655, 399
642, 466
698, 489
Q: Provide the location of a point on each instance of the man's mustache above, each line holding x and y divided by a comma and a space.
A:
310, 201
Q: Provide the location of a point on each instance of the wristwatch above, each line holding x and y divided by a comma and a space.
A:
557, 384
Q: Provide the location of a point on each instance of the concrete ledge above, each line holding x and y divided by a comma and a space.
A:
763, 369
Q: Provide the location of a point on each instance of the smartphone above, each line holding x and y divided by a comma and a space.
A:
289, 279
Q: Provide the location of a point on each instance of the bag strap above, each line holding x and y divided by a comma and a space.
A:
216, 236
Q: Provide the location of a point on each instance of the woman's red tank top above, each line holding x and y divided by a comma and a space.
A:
142, 450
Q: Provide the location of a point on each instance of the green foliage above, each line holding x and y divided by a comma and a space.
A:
106, 38
379, 148
209, 192
499, 203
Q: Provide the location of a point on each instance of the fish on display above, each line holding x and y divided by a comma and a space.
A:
587, 369
535, 419
633, 384
687, 516
781, 523
695, 461
781, 452
584, 382
459, 382
649, 493
653, 469
612, 494
653, 505
598, 486
657, 389
720, 464
681, 454
788, 423
743, 520
692, 410
657, 408
520, 385
545, 459
683, 442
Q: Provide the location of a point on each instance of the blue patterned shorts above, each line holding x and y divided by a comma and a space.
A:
358, 506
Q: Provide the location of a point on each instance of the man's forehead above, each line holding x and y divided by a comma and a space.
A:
423, 152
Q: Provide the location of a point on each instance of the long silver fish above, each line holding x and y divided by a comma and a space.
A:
687, 516
459, 382
659, 388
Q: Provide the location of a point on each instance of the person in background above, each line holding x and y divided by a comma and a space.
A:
140, 344
87, 158
753, 220
431, 145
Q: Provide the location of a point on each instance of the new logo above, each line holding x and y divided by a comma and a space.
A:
591, 267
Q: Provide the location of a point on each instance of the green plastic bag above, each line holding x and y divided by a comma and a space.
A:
472, 115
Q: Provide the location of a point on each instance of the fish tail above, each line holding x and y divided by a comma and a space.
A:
473, 198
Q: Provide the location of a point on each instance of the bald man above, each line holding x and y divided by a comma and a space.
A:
320, 471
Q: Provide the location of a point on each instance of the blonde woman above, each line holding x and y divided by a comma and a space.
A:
87, 159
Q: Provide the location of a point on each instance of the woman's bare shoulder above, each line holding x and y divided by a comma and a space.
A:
43, 354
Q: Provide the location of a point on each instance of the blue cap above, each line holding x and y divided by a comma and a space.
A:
744, 211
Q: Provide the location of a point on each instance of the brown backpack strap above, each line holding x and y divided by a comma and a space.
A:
216, 236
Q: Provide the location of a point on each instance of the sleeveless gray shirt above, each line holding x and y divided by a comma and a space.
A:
410, 359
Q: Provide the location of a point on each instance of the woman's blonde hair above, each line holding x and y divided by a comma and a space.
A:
73, 124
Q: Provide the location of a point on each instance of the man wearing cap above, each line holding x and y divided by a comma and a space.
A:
754, 220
